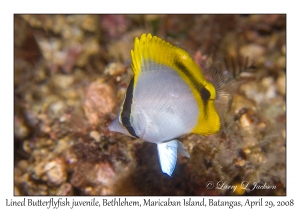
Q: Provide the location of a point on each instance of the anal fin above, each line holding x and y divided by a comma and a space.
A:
167, 154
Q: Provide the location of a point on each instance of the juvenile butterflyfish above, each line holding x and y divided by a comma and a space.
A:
169, 96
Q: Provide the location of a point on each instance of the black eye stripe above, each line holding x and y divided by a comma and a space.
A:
126, 121
125, 114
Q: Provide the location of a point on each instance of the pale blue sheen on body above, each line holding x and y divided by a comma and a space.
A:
163, 105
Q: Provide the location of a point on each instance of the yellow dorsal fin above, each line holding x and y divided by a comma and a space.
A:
162, 52
153, 49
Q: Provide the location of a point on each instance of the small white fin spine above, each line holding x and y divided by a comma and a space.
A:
182, 150
167, 154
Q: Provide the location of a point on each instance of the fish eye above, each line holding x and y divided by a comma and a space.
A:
125, 121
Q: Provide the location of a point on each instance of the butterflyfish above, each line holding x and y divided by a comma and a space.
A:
169, 96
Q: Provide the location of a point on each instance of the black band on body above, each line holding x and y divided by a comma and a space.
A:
126, 111
204, 93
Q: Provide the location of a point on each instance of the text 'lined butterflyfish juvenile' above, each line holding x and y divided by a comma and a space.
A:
169, 96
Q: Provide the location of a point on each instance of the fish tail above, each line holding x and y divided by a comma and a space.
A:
222, 80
